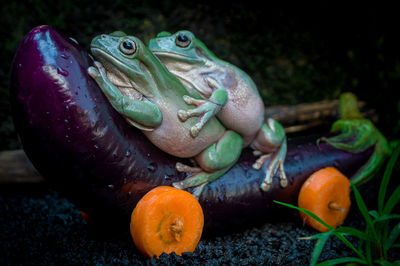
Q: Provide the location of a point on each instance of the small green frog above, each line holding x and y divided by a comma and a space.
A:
227, 92
142, 90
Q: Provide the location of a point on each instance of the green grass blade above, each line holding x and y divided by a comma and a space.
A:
373, 214
354, 232
383, 262
392, 236
368, 252
341, 261
386, 217
306, 212
392, 201
347, 242
386, 178
313, 237
319, 246
364, 211
339, 235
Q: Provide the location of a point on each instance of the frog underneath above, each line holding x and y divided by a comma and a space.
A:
143, 91
227, 92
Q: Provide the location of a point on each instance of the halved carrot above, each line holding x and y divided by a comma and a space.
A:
326, 193
167, 220
139, 212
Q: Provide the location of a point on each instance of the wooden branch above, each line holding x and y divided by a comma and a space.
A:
15, 167
305, 116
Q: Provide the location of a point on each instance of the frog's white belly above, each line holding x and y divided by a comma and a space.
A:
243, 112
173, 136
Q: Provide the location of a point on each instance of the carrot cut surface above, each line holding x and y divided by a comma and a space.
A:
167, 220
326, 193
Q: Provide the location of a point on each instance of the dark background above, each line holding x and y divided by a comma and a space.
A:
295, 52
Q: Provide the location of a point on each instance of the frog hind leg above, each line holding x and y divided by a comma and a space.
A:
271, 140
200, 179
214, 161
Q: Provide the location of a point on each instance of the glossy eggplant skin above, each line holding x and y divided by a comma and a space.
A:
71, 133
86, 150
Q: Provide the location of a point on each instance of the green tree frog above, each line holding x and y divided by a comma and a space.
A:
227, 92
149, 97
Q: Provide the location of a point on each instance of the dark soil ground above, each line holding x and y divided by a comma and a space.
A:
40, 227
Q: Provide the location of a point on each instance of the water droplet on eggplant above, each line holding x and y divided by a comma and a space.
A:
75, 41
152, 167
62, 72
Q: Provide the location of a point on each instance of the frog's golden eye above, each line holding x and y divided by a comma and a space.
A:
128, 47
182, 40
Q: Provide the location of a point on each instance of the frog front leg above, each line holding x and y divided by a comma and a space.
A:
214, 161
142, 114
205, 109
271, 140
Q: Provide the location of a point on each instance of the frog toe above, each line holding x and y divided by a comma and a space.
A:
93, 72
276, 163
183, 115
195, 130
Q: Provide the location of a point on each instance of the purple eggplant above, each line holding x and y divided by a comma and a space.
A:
86, 150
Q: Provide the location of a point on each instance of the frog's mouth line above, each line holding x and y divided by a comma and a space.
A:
116, 77
160, 53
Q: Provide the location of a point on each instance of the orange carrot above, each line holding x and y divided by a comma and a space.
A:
326, 193
167, 220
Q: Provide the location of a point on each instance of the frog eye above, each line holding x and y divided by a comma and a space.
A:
182, 40
128, 47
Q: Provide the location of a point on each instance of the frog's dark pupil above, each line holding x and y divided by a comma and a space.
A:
182, 38
127, 45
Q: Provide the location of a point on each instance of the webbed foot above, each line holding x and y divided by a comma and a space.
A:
271, 140
214, 161
180, 167
141, 114
205, 109
276, 163
199, 180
